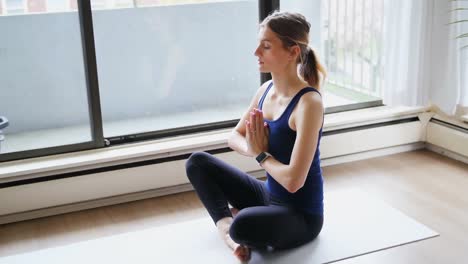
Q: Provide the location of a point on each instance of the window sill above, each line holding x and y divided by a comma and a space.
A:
20, 169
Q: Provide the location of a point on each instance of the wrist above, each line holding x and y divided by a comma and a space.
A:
252, 153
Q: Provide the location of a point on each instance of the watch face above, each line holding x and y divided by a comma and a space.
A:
261, 156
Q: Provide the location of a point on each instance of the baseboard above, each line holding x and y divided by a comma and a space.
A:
62, 209
447, 153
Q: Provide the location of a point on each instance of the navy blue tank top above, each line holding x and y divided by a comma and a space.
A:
280, 144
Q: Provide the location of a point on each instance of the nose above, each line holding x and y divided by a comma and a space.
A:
257, 51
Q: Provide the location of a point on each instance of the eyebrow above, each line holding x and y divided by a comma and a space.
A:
265, 40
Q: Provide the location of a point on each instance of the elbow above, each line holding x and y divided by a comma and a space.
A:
296, 183
293, 188
232, 138
229, 142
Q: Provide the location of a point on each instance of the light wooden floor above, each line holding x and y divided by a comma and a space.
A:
426, 186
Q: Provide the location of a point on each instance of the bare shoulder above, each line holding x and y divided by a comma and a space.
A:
311, 101
309, 107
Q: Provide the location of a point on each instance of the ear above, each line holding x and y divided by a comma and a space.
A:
294, 51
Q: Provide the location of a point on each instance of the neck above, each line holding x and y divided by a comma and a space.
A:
287, 82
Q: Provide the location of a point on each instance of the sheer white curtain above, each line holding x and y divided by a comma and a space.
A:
406, 61
424, 64
462, 107
449, 82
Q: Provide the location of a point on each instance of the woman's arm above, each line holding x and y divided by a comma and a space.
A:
308, 123
237, 140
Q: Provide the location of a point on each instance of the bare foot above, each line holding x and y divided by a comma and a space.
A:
242, 252
234, 211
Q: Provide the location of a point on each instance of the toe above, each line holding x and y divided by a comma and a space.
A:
234, 211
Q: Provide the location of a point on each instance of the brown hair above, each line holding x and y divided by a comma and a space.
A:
293, 29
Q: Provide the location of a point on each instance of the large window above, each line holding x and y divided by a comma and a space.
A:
348, 36
152, 68
43, 90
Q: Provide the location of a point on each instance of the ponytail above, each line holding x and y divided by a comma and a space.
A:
311, 69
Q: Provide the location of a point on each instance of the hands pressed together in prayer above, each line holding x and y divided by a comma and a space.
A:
257, 133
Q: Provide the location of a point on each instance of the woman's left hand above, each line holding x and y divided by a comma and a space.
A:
257, 132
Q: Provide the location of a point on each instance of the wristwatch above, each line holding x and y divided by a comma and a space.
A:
262, 157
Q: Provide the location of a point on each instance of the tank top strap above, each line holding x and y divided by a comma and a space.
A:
296, 98
260, 103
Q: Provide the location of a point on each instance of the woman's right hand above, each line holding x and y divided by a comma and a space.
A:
257, 133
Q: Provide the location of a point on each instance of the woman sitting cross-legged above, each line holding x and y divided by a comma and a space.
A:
282, 129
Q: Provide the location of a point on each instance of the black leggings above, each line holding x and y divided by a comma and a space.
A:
263, 221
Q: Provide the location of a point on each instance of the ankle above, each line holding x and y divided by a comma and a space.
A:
224, 224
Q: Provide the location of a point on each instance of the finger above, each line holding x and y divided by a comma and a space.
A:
252, 120
259, 122
247, 129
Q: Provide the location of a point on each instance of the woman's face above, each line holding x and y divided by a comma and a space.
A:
272, 56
